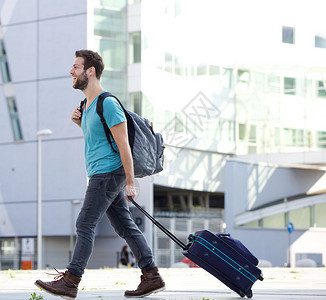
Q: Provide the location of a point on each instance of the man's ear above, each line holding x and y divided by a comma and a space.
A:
91, 71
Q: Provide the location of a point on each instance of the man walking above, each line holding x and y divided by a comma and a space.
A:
109, 173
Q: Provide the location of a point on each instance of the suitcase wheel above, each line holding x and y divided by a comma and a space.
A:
249, 294
242, 294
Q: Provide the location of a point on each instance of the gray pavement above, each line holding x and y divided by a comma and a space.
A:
181, 284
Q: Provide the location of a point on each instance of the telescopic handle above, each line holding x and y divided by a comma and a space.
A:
159, 225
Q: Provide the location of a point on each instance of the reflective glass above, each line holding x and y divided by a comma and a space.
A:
320, 42
15, 123
134, 47
301, 218
288, 35
113, 53
109, 23
276, 221
320, 215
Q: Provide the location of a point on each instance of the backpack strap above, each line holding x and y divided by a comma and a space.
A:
81, 107
130, 122
99, 110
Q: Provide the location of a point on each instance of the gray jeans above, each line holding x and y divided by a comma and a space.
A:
104, 194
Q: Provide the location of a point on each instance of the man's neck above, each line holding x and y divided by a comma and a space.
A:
92, 91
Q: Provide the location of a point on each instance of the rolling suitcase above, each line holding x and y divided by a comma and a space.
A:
222, 256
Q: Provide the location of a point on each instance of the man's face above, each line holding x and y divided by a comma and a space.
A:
79, 76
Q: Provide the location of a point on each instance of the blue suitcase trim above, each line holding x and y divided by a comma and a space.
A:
226, 257
253, 278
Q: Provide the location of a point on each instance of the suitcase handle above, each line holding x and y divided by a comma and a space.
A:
159, 225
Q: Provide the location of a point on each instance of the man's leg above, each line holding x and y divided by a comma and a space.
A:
96, 203
122, 222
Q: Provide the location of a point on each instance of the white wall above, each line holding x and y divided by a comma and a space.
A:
311, 241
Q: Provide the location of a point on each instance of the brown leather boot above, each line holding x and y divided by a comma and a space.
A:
64, 285
151, 282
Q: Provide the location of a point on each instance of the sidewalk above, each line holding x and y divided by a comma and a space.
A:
181, 284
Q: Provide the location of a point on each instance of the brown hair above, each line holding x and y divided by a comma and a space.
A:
91, 59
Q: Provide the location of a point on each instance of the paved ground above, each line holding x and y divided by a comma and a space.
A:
181, 284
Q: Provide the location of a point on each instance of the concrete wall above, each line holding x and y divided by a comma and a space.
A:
40, 38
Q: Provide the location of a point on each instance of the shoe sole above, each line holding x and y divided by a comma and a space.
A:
152, 292
64, 297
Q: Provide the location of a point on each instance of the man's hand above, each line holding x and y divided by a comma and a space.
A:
75, 116
131, 191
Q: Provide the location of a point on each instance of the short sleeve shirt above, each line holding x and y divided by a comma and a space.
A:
99, 156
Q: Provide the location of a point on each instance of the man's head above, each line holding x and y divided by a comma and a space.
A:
87, 62
91, 59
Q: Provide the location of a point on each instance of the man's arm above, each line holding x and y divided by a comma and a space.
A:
75, 116
120, 135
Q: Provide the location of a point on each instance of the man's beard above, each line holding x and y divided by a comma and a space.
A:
81, 82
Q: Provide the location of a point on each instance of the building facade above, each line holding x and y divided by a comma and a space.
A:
217, 82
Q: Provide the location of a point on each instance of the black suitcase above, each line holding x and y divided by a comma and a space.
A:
225, 258
222, 256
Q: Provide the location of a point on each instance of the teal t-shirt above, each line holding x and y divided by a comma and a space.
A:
99, 156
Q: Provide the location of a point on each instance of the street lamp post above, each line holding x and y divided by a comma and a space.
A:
40, 134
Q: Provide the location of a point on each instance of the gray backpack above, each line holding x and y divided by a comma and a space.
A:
146, 146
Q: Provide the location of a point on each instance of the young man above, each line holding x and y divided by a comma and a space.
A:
109, 173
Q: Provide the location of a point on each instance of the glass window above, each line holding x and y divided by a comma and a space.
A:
130, 2
227, 78
179, 125
178, 69
134, 47
320, 213
298, 141
201, 70
308, 88
320, 42
321, 139
168, 62
259, 81
109, 23
301, 218
276, 221
253, 134
293, 137
224, 131
214, 70
242, 132
136, 103
287, 136
288, 35
113, 53
116, 82
321, 91
4, 64
110, 29
289, 86
243, 78
274, 83
254, 224
15, 123
115, 4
